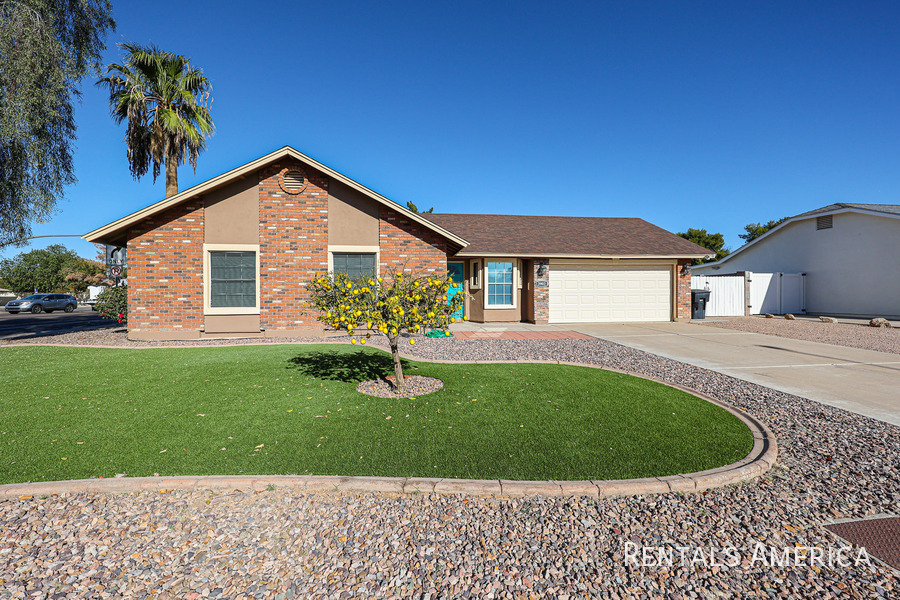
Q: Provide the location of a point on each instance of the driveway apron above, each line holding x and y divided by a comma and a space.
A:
861, 381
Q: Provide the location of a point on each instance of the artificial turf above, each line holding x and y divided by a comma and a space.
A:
70, 413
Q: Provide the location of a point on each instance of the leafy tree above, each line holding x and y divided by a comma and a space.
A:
46, 270
754, 230
714, 242
46, 48
112, 303
407, 303
81, 273
166, 103
415, 209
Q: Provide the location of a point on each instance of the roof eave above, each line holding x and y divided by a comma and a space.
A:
571, 255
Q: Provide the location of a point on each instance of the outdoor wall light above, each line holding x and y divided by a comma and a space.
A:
542, 270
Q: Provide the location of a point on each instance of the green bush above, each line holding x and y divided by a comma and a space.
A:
112, 303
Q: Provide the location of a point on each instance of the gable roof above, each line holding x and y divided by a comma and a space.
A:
114, 230
891, 211
548, 237
888, 209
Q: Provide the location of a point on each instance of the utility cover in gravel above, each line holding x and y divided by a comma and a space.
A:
416, 385
880, 537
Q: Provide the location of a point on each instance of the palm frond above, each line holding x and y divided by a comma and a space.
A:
165, 102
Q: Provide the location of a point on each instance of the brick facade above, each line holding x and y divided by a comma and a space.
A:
683, 291
165, 271
407, 245
293, 245
541, 290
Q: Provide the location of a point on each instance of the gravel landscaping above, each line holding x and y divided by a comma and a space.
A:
416, 385
852, 335
832, 464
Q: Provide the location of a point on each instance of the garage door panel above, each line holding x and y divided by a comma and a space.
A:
598, 293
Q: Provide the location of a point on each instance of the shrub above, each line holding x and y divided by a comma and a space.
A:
112, 303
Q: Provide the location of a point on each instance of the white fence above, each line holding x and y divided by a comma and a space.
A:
775, 293
726, 294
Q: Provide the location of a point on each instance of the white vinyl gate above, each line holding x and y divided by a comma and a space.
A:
726, 294
775, 293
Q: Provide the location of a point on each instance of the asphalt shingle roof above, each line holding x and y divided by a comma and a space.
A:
893, 209
563, 236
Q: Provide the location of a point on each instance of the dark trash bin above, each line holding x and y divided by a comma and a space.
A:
699, 300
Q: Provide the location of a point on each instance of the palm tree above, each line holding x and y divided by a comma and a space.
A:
166, 103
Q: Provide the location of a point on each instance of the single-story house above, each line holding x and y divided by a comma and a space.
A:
231, 256
847, 253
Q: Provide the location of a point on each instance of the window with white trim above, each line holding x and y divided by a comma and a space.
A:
499, 284
232, 278
354, 264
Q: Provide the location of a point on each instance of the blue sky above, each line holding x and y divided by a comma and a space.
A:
686, 114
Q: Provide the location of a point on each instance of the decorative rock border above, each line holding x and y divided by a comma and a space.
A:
760, 459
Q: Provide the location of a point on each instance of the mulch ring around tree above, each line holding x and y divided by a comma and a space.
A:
416, 385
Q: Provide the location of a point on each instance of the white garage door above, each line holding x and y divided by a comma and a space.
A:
595, 294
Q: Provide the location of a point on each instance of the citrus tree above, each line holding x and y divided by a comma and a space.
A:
400, 304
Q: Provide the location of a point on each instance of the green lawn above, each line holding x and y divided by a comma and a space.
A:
69, 413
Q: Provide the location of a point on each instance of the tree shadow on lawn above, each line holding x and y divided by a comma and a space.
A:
345, 366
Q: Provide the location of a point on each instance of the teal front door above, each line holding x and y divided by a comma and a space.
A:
457, 274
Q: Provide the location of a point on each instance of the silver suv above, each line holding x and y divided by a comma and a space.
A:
38, 303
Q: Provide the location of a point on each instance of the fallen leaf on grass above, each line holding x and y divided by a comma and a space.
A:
166, 450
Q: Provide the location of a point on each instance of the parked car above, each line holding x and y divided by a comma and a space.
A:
38, 303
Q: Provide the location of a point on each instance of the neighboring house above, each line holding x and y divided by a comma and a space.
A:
6, 295
232, 255
848, 253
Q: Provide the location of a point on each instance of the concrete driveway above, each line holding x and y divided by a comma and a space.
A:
861, 381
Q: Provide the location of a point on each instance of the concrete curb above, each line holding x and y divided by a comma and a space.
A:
760, 459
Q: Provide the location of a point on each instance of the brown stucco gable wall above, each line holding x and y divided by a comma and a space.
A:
352, 217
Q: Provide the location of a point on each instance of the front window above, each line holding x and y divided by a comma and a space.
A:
499, 284
232, 279
354, 264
